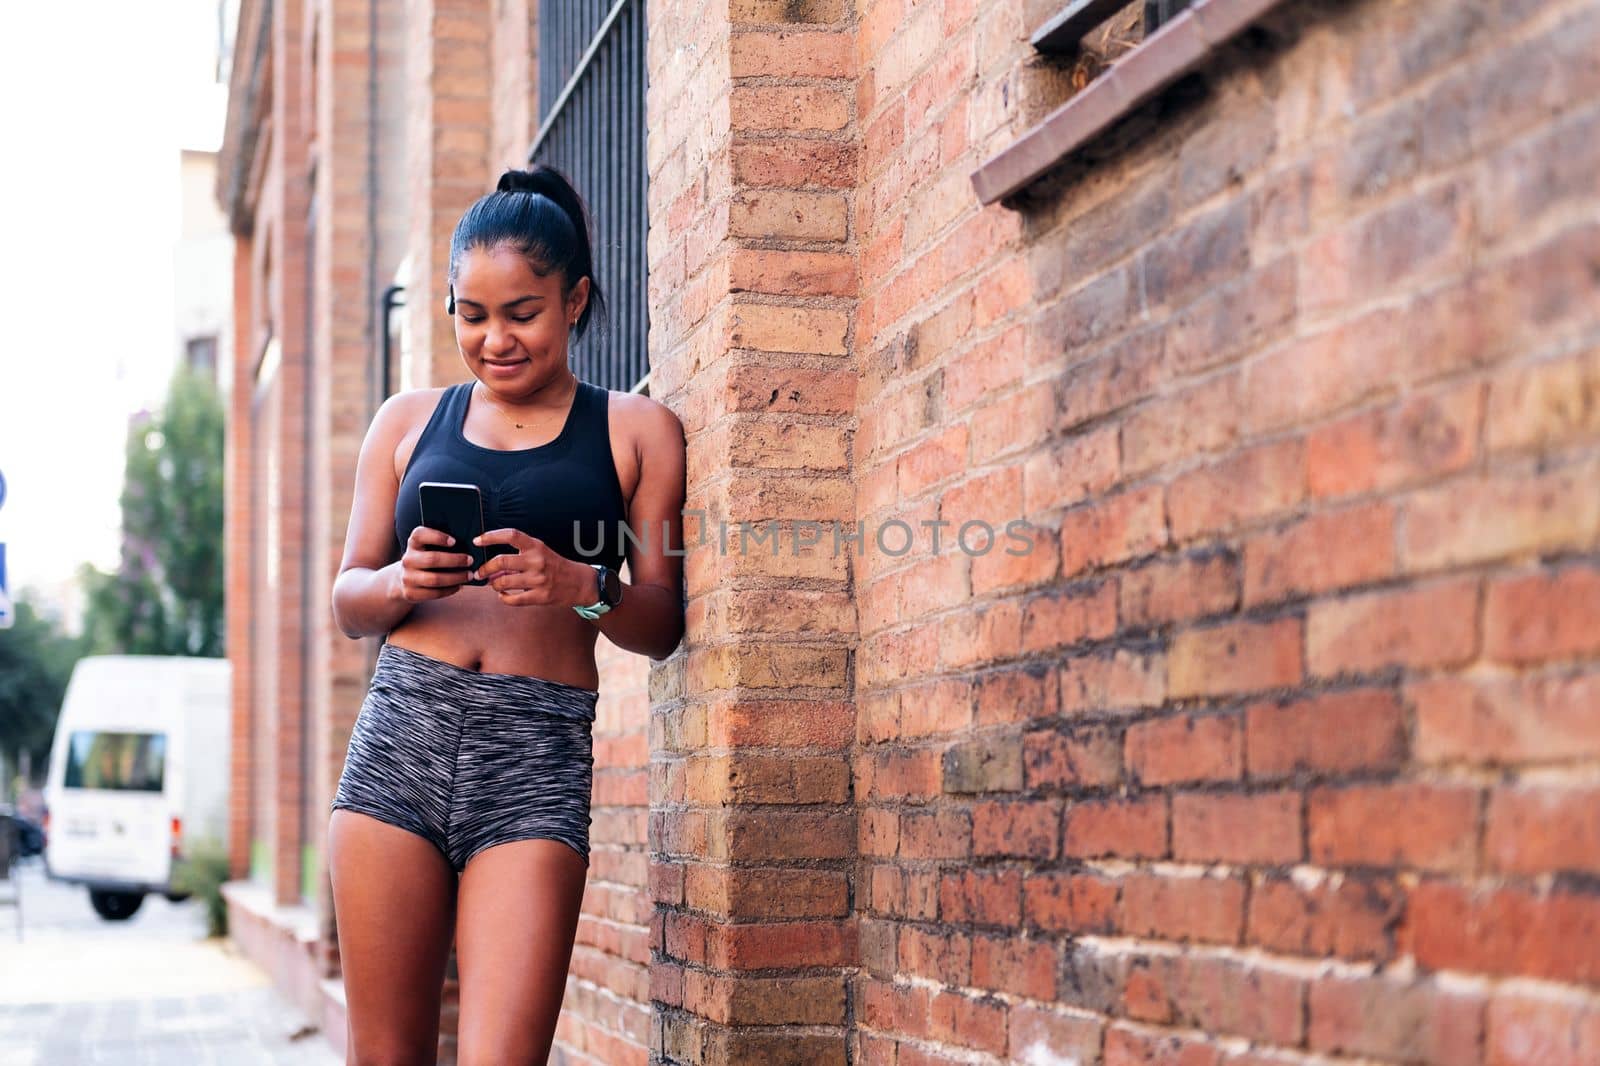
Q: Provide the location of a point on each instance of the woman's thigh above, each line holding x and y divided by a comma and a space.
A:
394, 898
516, 919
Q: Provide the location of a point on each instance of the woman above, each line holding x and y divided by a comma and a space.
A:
463, 808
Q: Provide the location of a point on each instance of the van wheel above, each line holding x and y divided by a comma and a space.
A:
115, 906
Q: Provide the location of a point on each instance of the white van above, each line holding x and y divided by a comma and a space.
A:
138, 771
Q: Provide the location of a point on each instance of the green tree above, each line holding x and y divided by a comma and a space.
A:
166, 596
36, 660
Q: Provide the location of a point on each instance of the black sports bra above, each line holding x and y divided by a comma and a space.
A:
565, 493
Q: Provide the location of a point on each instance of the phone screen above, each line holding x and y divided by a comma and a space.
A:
458, 511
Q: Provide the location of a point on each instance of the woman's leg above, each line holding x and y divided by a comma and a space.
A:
515, 924
394, 896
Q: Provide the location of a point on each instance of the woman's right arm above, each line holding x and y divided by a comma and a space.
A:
375, 590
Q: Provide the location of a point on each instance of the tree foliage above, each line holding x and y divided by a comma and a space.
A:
166, 596
36, 660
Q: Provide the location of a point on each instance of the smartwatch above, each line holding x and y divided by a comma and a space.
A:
610, 592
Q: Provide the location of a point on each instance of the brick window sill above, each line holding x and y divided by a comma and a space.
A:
1173, 50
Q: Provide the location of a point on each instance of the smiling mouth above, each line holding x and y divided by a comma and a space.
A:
503, 362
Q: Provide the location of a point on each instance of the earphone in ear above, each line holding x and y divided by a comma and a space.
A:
450, 302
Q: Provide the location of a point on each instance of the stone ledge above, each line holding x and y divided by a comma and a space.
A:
296, 919
1173, 50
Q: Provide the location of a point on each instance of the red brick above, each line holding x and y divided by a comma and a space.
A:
1129, 828
1082, 466
1492, 517
1037, 1034
1067, 616
1325, 551
1125, 1047
1218, 995
1071, 903
984, 764
1259, 828
1121, 678
1358, 825
1507, 720
1176, 428
1015, 423
787, 213
1204, 909
1010, 964
1088, 757
1419, 437
935, 835
1419, 627
1510, 930
1112, 530
1527, 1029
1185, 748
1189, 586
1336, 732
1396, 1019
936, 707
1014, 695
1347, 917
1022, 829
1543, 616
1235, 657
982, 897
1546, 404
1237, 491
968, 1022
932, 461
789, 107
943, 954
1534, 830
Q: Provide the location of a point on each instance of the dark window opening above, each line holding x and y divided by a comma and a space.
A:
591, 128
125, 762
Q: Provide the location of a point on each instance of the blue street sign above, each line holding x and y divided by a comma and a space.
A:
6, 614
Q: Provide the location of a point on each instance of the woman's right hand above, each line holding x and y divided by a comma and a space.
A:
427, 573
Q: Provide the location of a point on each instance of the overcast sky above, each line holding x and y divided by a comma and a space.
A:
96, 100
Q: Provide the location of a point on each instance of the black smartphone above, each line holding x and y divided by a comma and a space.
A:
458, 511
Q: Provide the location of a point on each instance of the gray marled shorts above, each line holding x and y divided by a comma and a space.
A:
467, 759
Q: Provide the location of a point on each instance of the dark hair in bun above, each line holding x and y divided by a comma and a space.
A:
540, 214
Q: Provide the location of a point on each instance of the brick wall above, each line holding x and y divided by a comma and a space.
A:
1279, 745
1273, 749
753, 279
447, 138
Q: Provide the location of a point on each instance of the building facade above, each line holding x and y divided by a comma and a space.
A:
1144, 475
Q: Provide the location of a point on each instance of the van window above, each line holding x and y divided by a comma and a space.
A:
133, 762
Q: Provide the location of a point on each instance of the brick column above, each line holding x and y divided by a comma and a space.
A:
448, 76
241, 538
515, 90
289, 142
346, 292
752, 145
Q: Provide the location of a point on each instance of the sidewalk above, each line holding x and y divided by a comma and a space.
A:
152, 990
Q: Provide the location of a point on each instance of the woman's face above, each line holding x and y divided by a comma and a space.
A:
511, 324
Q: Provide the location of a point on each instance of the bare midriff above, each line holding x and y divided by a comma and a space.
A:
474, 630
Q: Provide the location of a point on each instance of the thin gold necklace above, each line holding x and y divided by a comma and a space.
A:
508, 418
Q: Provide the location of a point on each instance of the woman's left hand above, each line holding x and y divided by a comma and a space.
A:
535, 575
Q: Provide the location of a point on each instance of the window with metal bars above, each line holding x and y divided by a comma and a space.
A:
591, 127
1071, 27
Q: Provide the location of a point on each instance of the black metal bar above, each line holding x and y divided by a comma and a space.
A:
1158, 13
391, 301
1062, 32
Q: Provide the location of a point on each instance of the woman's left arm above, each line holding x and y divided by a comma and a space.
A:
649, 620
